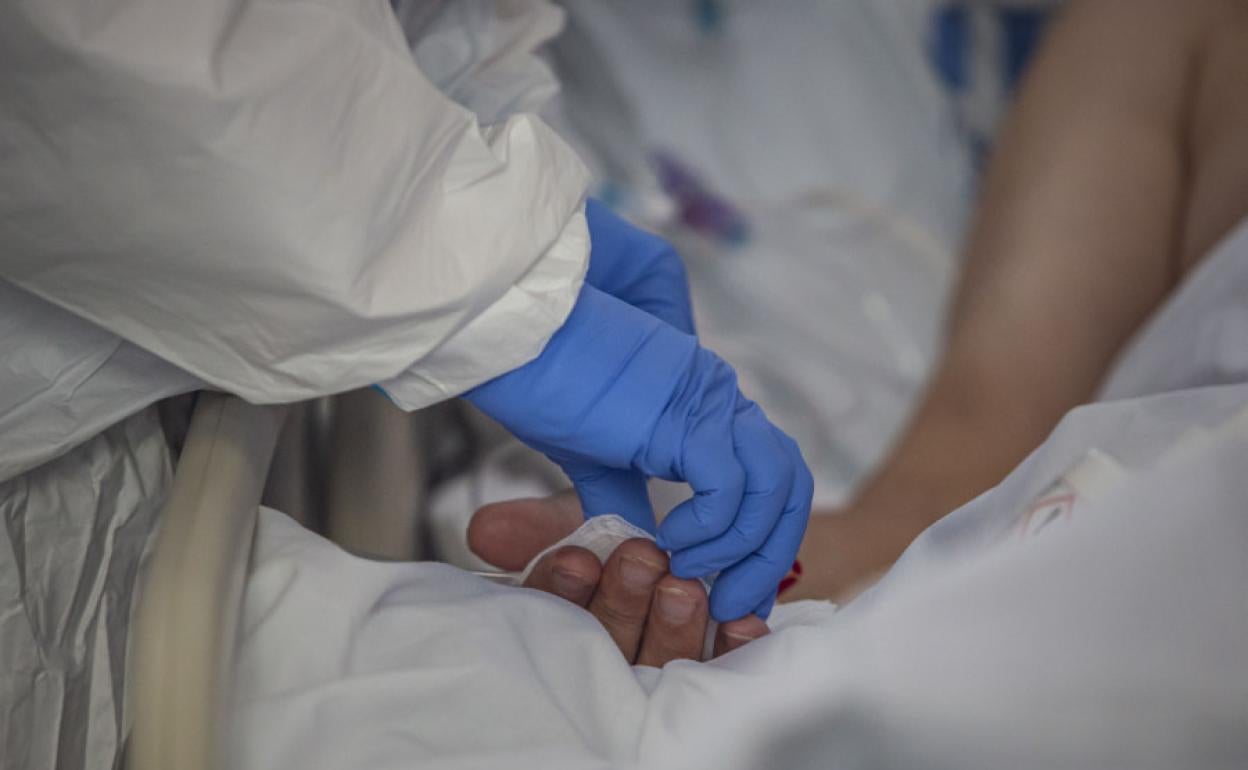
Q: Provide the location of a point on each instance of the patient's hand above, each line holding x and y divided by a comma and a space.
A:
653, 616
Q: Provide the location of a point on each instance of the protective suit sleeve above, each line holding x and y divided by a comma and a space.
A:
270, 195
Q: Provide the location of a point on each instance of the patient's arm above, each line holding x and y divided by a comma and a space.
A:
1096, 201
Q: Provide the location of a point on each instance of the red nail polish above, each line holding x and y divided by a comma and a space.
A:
790, 579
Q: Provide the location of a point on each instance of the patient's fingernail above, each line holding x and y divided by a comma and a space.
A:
566, 582
638, 573
675, 605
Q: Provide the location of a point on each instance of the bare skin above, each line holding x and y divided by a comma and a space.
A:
653, 616
1121, 165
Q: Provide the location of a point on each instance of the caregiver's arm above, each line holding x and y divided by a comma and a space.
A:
273, 197
1078, 239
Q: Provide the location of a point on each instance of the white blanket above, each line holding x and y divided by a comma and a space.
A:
1111, 638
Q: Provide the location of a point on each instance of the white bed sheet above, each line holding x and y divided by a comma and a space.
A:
982, 649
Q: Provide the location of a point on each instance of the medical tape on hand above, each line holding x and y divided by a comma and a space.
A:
601, 535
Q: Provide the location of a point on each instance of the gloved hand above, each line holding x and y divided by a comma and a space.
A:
618, 389
638, 267
643, 270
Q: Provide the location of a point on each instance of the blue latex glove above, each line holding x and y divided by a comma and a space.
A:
618, 389
645, 271
638, 267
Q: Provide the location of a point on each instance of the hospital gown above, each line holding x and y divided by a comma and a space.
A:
1110, 637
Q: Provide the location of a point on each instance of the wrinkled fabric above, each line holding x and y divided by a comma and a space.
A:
72, 536
64, 380
1113, 639
423, 664
274, 198
1108, 639
480, 53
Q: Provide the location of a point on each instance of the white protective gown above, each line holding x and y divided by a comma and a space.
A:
275, 199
